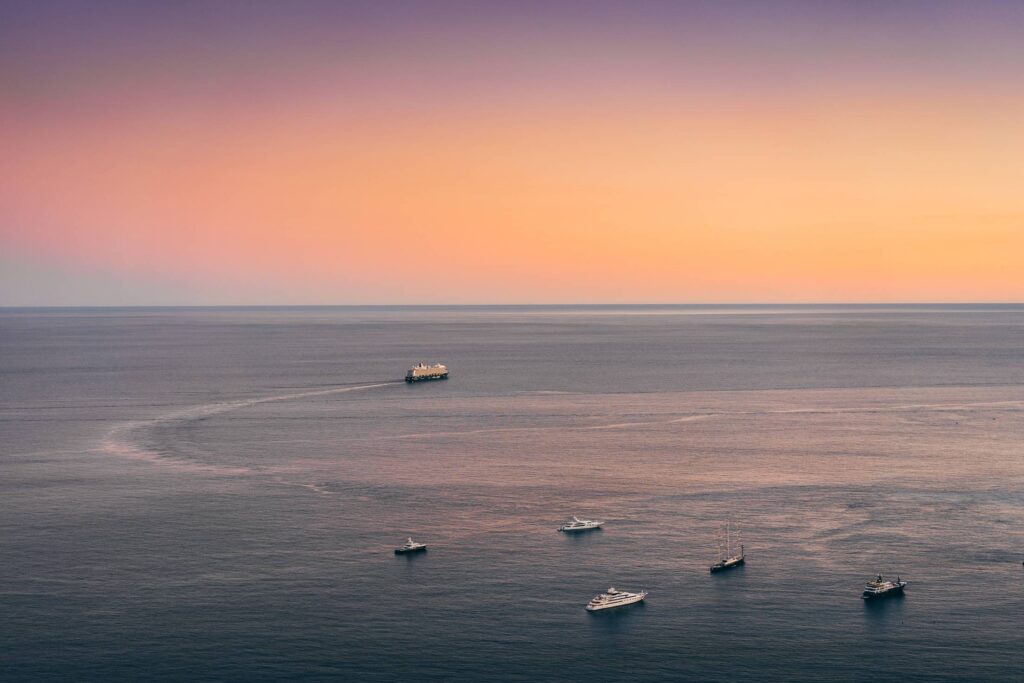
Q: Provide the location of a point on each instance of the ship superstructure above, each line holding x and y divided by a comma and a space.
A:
577, 524
880, 587
421, 372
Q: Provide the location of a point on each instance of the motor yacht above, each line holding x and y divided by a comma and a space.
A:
881, 587
410, 546
615, 598
577, 524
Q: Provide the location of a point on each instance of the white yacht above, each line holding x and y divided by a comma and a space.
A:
879, 587
614, 598
577, 524
410, 546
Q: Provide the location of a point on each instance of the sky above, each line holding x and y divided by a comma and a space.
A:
222, 153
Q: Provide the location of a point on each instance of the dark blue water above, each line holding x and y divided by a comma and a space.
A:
215, 494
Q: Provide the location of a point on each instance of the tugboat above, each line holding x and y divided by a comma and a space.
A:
727, 560
577, 524
881, 587
614, 598
411, 546
422, 372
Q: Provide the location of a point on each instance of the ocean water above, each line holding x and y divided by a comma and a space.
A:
215, 494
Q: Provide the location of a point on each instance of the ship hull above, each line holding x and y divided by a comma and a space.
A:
410, 551
898, 590
624, 603
578, 529
715, 568
428, 378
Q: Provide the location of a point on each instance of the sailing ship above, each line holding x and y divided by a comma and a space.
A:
727, 560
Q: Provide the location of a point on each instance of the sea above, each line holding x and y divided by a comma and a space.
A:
215, 494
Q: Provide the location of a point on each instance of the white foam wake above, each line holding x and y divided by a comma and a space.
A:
123, 439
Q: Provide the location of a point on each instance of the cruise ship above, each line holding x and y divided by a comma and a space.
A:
727, 560
421, 372
614, 598
577, 524
410, 546
881, 587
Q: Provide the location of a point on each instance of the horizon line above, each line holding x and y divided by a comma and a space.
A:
516, 305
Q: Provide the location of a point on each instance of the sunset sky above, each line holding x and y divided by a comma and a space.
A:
516, 152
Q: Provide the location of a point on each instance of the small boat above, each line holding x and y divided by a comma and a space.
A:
881, 587
615, 598
410, 546
727, 560
577, 524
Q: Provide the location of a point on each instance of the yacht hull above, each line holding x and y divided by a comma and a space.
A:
725, 566
897, 590
623, 603
410, 551
426, 378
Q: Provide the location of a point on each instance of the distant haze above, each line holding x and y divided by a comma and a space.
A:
363, 153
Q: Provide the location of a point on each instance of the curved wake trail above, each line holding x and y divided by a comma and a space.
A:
123, 439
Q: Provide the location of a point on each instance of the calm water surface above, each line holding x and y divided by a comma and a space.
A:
214, 494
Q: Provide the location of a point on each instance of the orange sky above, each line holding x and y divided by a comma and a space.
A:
839, 192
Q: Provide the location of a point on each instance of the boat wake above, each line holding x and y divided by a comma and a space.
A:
321, 489
131, 439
